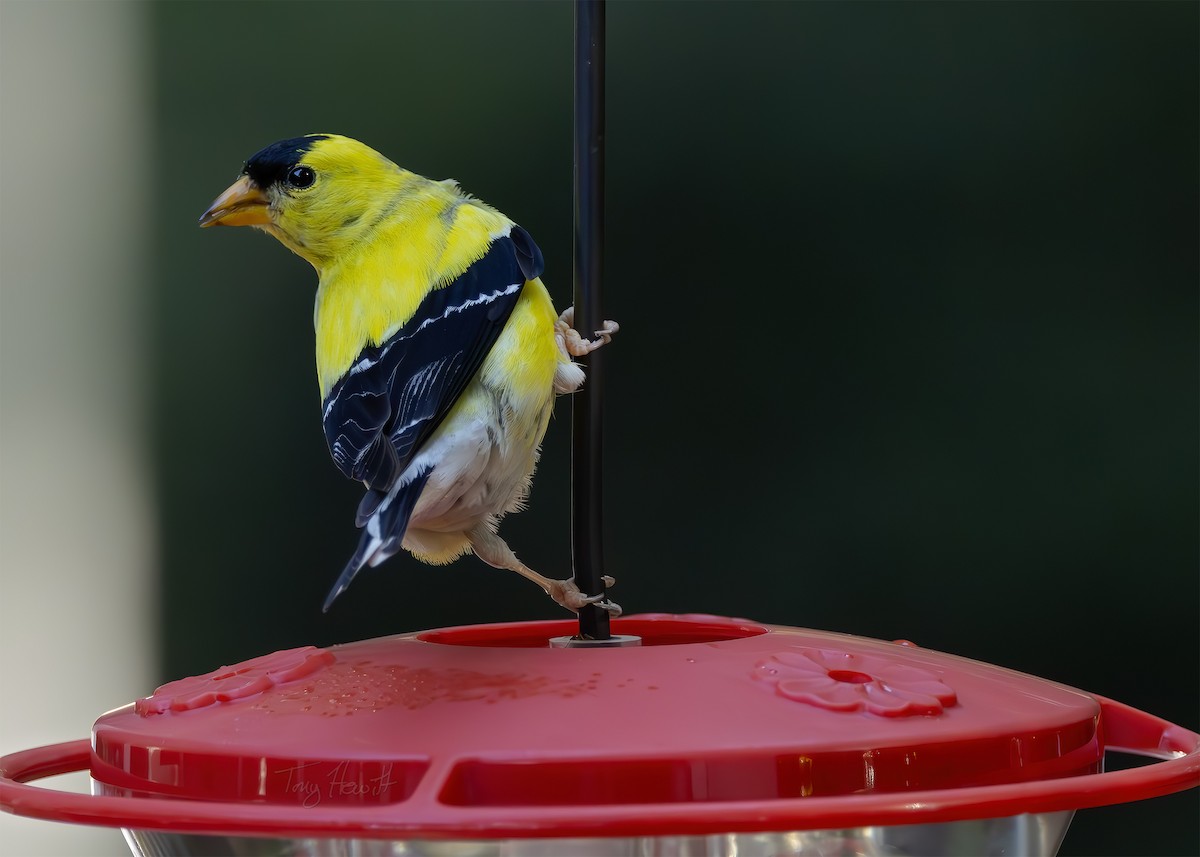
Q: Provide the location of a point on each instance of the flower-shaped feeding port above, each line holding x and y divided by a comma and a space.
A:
237, 682
841, 681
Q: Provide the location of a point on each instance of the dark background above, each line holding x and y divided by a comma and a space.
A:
909, 306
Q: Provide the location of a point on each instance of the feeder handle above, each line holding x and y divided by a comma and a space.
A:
49, 761
1123, 729
1127, 730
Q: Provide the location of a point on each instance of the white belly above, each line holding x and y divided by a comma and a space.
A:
481, 465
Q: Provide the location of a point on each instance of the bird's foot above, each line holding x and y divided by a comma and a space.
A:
490, 548
573, 343
566, 593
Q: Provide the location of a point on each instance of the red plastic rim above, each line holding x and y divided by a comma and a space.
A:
1126, 730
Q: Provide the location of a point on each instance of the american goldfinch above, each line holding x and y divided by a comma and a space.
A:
439, 352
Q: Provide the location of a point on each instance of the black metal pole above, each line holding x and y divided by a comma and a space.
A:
587, 457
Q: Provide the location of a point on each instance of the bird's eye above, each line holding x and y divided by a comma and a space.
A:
301, 177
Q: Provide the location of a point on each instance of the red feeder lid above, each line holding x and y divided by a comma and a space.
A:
712, 725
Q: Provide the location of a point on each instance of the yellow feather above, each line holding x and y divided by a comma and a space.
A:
524, 358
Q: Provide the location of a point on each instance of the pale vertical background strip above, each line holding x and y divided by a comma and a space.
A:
76, 519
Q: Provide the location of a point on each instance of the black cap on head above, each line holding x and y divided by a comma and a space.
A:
273, 163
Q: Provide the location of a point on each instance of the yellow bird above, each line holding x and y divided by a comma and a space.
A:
439, 352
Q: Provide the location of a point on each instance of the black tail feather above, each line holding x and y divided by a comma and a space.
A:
384, 530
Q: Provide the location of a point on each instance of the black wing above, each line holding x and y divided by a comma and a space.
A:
391, 399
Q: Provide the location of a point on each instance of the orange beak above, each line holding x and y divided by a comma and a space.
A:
242, 204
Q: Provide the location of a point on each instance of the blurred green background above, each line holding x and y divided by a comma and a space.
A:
908, 295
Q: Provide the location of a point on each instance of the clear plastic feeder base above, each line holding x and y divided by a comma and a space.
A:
1030, 835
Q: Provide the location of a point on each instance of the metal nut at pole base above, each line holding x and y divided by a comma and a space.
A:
613, 641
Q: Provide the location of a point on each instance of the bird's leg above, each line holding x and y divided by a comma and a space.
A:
493, 550
572, 343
